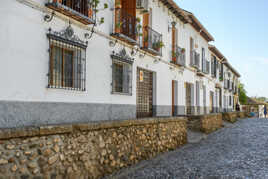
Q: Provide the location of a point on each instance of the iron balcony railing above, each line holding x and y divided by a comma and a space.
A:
142, 4
152, 41
195, 59
125, 25
178, 57
81, 10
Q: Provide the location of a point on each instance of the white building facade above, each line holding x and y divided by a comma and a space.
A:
148, 58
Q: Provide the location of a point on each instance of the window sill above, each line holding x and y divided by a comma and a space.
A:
123, 94
67, 88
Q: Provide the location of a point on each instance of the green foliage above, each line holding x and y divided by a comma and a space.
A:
95, 4
242, 94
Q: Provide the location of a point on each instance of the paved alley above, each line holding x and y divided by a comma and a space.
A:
236, 151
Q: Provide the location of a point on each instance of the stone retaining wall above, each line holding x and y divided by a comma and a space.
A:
205, 123
86, 150
242, 115
233, 116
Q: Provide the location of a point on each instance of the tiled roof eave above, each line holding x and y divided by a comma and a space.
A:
174, 8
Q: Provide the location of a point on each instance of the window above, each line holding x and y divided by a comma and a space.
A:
67, 63
203, 60
122, 77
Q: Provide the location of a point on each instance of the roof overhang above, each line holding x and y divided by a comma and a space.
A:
216, 52
231, 68
175, 9
198, 26
223, 59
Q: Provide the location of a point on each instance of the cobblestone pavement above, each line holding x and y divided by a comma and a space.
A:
236, 151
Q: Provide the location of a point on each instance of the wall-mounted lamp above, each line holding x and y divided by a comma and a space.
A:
48, 18
142, 55
173, 24
134, 50
112, 43
171, 68
157, 60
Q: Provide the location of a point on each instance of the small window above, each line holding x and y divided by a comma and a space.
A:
122, 77
67, 63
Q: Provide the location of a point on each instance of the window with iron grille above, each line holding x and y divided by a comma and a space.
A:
121, 73
67, 61
122, 77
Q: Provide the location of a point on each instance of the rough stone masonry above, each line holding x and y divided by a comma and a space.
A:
86, 150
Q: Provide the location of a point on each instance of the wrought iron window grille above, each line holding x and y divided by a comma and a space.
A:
121, 73
67, 60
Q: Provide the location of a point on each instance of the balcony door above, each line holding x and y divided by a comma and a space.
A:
128, 18
174, 42
147, 22
129, 6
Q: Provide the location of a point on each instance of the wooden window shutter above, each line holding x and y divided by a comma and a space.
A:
173, 43
197, 94
192, 95
204, 96
145, 32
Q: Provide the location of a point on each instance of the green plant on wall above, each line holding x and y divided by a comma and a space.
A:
157, 45
95, 4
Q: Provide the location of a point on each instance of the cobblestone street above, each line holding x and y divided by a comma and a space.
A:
236, 151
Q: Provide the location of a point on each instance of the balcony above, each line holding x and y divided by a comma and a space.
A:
142, 6
178, 57
152, 41
195, 59
125, 26
79, 10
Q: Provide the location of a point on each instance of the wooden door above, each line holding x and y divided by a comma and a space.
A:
211, 102
205, 99
144, 93
191, 49
188, 98
174, 98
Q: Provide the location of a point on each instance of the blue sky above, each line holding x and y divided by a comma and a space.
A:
240, 29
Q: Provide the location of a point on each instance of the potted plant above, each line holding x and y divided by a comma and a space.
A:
145, 41
157, 45
183, 50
